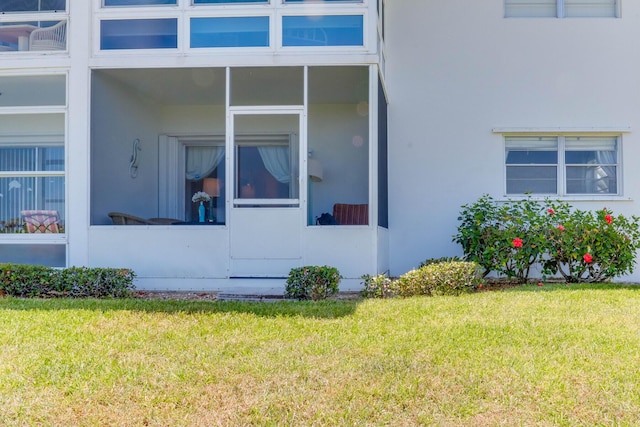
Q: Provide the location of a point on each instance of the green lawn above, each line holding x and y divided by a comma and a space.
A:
552, 355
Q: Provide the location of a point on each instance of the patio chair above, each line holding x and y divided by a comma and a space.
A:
41, 221
348, 214
165, 221
49, 38
120, 218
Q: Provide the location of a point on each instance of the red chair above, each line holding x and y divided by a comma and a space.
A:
41, 221
347, 214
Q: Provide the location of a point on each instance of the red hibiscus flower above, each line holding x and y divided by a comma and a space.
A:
587, 258
561, 227
608, 218
517, 242
551, 211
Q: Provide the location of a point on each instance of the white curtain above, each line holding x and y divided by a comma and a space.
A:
600, 172
201, 161
276, 161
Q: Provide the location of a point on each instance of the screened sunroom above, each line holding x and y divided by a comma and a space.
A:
222, 173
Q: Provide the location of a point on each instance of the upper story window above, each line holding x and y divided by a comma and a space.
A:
247, 31
109, 3
228, 1
561, 8
562, 165
322, 1
139, 34
32, 5
325, 30
135, 24
33, 25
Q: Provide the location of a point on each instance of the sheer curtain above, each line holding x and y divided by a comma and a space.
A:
201, 161
276, 161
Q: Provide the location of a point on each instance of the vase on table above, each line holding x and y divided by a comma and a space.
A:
201, 212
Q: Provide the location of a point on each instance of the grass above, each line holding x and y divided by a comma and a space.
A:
552, 355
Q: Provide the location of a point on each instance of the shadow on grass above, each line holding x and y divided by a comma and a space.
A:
318, 309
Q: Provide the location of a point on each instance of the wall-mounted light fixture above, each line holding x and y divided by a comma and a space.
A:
133, 162
314, 168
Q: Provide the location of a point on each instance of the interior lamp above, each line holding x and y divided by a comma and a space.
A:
211, 186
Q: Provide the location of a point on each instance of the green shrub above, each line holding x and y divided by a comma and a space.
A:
378, 286
443, 278
24, 280
590, 246
83, 282
312, 282
430, 261
509, 238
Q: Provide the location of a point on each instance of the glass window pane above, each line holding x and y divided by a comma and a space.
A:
531, 179
47, 255
592, 180
531, 157
267, 161
22, 91
31, 159
323, 1
35, 35
205, 172
326, 30
137, 2
32, 5
29, 193
590, 8
228, 1
138, 34
230, 32
529, 8
267, 86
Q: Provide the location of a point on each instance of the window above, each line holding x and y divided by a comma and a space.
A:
230, 32
32, 5
31, 169
323, 1
266, 165
228, 1
108, 3
139, 34
205, 171
326, 30
561, 8
562, 165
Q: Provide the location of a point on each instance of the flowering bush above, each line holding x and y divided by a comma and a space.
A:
506, 238
590, 246
200, 196
580, 246
379, 286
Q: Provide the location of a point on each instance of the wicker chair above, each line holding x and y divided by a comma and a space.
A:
41, 221
120, 218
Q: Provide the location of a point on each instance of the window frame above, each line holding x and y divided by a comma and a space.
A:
562, 165
560, 12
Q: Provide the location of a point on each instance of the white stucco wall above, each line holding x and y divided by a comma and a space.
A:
456, 69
